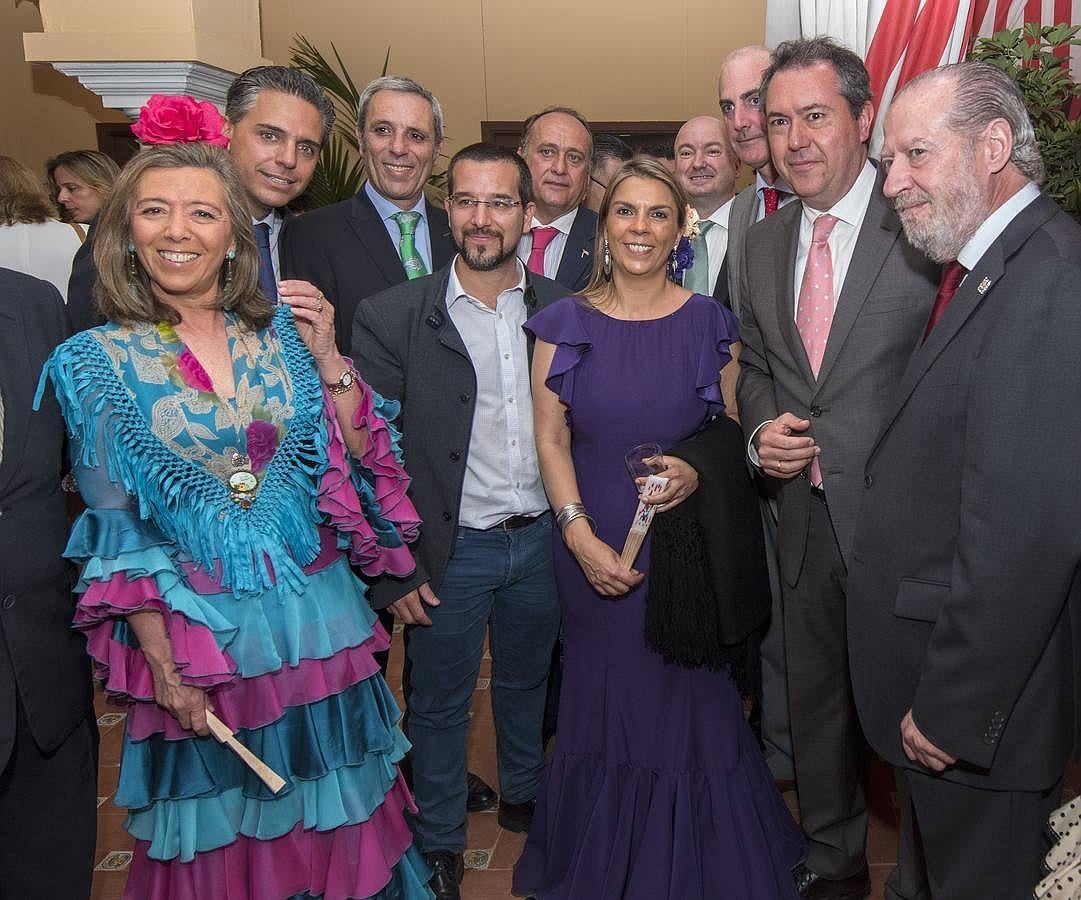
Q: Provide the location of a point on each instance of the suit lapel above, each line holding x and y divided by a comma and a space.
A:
374, 238
439, 237
977, 287
784, 294
578, 252
877, 236
18, 390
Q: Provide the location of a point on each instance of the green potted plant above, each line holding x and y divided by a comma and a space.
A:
1051, 94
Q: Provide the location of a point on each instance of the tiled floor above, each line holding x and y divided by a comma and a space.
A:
493, 851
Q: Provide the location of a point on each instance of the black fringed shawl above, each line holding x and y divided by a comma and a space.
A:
708, 597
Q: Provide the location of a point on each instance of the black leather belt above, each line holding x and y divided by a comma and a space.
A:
818, 493
512, 522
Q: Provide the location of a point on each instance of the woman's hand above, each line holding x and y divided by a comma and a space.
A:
186, 704
600, 563
314, 316
682, 482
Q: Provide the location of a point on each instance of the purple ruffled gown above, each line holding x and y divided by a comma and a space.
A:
657, 788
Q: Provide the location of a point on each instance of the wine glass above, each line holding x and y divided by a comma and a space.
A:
642, 461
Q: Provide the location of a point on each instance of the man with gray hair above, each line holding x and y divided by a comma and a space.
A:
387, 233
277, 120
964, 589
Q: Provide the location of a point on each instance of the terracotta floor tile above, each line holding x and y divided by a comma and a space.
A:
482, 830
507, 850
486, 885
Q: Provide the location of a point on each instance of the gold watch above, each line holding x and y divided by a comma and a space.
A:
344, 384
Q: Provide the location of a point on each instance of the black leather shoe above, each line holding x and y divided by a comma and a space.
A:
814, 887
479, 796
447, 871
516, 817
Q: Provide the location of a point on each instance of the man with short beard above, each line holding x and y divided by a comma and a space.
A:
964, 595
450, 347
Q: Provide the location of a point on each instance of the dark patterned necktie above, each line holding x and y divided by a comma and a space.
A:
953, 273
267, 281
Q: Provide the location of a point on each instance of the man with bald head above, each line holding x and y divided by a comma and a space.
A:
744, 116
706, 167
558, 148
745, 119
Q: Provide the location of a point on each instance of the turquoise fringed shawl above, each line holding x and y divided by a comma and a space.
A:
187, 502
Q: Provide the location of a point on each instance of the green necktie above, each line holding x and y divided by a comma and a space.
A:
696, 278
407, 245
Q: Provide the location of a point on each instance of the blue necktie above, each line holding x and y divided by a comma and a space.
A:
267, 281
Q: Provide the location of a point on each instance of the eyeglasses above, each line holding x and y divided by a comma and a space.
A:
468, 204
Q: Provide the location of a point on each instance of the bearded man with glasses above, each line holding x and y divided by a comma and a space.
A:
450, 347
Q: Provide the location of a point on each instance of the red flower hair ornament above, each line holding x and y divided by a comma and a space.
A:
179, 119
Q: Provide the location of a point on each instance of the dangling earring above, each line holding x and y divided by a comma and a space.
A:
227, 269
673, 264
133, 267
606, 261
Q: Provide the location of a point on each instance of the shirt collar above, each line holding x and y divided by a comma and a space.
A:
720, 215
563, 223
995, 224
780, 184
456, 292
272, 218
852, 206
386, 209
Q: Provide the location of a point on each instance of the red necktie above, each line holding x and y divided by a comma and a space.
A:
771, 197
814, 309
953, 273
543, 235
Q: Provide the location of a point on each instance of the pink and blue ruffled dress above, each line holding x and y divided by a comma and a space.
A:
261, 607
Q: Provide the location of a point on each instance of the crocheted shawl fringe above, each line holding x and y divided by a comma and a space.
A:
247, 549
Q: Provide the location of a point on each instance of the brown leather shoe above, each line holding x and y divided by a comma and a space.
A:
814, 887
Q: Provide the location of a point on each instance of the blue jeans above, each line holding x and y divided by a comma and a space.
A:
502, 581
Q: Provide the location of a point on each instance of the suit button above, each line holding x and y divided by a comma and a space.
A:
9, 601
464, 398
816, 411
446, 517
455, 455
868, 481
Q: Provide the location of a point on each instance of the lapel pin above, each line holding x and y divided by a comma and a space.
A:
984, 285
585, 253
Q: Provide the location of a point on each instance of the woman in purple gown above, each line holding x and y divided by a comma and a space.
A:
656, 788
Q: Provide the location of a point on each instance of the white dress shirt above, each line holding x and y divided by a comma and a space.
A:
787, 195
717, 241
502, 474
42, 249
994, 225
553, 253
849, 211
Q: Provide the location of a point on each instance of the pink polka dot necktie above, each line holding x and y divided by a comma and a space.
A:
814, 310
543, 235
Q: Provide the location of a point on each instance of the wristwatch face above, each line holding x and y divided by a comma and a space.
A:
347, 379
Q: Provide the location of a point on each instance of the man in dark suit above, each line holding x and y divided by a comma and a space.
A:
387, 233
706, 167
557, 145
48, 736
277, 120
738, 89
964, 595
451, 348
836, 299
